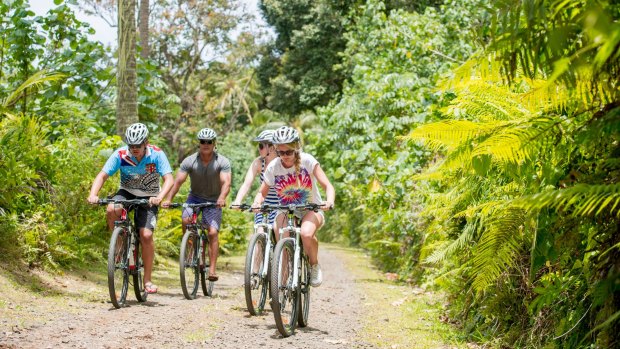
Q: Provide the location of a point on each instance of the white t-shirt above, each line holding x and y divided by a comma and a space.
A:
292, 189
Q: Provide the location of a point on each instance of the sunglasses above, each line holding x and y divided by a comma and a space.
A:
136, 146
261, 146
286, 152
206, 141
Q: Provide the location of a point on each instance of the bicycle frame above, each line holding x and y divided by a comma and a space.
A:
292, 228
195, 230
198, 229
290, 288
126, 260
267, 230
125, 222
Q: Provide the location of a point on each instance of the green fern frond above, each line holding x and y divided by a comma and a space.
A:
580, 200
481, 66
465, 239
610, 164
519, 142
484, 209
450, 134
500, 242
486, 102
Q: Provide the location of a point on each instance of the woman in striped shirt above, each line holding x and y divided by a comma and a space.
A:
267, 153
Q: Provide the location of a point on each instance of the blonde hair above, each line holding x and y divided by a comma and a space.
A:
297, 147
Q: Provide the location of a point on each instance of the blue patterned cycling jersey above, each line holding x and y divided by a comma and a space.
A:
139, 178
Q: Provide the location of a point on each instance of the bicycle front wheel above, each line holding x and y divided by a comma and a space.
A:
118, 272
304, 292
283, 296
255, 284
189, 264
138, 282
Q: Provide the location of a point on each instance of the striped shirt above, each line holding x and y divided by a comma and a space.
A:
271, 199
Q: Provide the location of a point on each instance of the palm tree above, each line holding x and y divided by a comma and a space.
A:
127, 96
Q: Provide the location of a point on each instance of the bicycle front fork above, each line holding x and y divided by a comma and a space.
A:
296, 255
133, 251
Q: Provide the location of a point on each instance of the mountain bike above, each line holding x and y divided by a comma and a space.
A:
125, 255
194, 259
290, 275
257, 260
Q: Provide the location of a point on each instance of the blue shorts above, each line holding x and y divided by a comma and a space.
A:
211, 217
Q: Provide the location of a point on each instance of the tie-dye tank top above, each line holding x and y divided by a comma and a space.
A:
292, 187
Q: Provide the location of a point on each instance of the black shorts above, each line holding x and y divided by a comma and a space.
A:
144, 217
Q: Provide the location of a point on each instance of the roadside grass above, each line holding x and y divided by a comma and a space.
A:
397, 316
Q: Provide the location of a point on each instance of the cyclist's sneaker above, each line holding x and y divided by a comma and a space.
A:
316, 276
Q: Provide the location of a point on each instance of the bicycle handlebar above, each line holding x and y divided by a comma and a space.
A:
292, 207
186, 205
123, 201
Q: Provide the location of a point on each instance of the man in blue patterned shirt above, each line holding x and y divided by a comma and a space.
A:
140, 164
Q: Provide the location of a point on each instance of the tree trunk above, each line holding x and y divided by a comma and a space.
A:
144, 29
127, 94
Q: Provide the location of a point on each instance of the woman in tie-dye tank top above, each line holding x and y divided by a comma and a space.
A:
296, 175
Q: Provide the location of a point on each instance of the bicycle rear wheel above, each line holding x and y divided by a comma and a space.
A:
118, 273
283, 297
207, 285
304, 292
256, 286
138, 282
189, 264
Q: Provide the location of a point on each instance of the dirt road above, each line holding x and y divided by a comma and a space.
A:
78, 315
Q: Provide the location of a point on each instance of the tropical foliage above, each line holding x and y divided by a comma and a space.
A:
495, 176
474, 144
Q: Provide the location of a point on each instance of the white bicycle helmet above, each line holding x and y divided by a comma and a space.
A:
265, 137
285, 135
207, 134
136, 134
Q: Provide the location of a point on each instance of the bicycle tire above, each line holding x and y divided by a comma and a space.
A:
189, 264
207, 285
118, 273
283, 298
256, 287
138, 282
304, 292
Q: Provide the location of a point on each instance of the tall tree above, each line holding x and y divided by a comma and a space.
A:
127, 94
144, 29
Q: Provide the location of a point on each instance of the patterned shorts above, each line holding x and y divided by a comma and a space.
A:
211, 217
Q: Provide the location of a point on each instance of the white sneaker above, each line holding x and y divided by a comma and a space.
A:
316, 275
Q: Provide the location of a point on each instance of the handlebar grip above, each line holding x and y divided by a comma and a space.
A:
242, 207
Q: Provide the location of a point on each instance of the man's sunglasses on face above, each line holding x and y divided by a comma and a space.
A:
262, 146
285, 152
136, 146
206, 141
